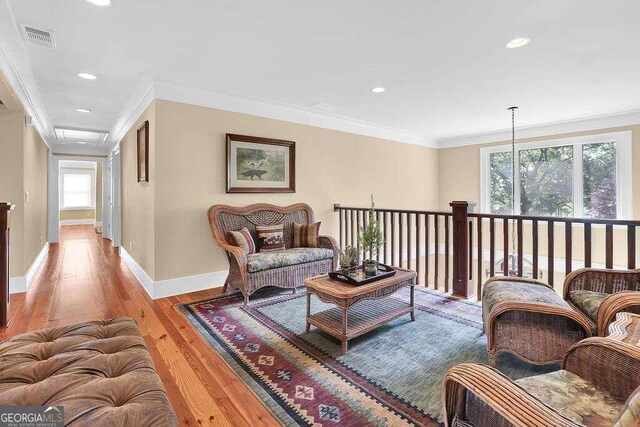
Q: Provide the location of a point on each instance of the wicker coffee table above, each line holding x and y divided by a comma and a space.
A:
626, 328
360, 309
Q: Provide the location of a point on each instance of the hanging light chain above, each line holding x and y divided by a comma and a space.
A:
513, 181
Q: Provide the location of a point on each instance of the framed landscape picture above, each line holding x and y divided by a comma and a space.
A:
260, 165
143, 152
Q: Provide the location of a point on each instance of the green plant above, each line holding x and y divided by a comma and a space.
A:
348, 257
370, 237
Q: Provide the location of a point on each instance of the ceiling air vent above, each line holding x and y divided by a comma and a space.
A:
41, 37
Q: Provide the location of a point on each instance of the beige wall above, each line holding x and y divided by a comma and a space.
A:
12, 184
188, 175
138, 209
459, 167
35, 184
77, 214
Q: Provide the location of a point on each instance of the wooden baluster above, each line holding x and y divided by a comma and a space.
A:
568, 252
609, 245
436, 252
520, 249
409, 241
492, 247
534, 244
587, 245
470, 249
631, 247
418, 220
505, 243
550, 250
381, 247
358, 232
446, 253
340, 216
365, 222
393, 239
354, 232
480, 274
386, 239
400, 239
426, 250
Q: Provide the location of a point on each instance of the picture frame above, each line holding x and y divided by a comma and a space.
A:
143, 152
260, 165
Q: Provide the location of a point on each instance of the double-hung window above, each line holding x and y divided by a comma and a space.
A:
77, 188
582, 177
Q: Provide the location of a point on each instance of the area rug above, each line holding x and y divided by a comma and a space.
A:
390, 376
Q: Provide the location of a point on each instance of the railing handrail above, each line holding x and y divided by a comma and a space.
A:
337, 207
601, 221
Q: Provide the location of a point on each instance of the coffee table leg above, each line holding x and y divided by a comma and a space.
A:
308, 327
411, 303
344, 331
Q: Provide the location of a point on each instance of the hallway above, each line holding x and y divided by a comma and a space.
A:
84, 279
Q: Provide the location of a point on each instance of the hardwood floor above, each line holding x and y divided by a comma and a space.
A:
84, 279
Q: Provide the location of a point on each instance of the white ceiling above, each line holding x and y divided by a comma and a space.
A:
444, 63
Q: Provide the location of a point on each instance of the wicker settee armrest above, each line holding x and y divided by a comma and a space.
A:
610, 365
614, 304
497, 391
597, 280
329, 242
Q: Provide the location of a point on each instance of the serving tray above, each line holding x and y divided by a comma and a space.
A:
357, 277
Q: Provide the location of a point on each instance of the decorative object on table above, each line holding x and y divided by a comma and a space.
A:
357, 275
362, 387
306, 235
260, 165
371, 238
348, 259
270, 238
143, 152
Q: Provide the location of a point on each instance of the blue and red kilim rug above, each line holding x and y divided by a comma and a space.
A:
390, 376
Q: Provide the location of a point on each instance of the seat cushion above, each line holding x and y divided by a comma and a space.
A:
630, 414
495, 292
574, 397
269, 260
588, 302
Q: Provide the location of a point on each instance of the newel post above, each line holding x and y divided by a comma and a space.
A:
461, 260
5, 312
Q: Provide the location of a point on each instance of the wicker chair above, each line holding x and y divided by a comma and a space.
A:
529, 319
601, 294
223, 219
598, 375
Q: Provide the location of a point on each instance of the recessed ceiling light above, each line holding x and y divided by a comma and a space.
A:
87, 76
100, 2
82, 142
83, 110
518, 42
377, 89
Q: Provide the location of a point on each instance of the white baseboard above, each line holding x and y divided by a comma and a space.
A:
89, 221
171, 287
98, 223
23, 283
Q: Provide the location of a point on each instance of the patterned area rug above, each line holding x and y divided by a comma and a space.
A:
390, 376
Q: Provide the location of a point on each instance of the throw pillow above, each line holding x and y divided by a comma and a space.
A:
270, 238
306, 235
244, 240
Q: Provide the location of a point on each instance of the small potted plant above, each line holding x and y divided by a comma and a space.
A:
371, 238
348, 259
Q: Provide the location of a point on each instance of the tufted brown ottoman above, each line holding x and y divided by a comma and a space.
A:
101, 372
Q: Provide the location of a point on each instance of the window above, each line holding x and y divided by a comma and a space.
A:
77, 189
587, 177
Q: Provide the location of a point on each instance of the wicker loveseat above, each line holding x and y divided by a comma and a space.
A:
284, 269
598, 376
600, 294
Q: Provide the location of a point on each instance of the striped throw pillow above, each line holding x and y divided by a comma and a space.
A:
306, 236
270, 238
244, 240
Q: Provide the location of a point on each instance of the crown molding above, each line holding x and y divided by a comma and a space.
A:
16, 68
143, 95
211, 99
628, 118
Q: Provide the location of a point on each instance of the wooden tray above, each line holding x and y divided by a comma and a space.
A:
358, 278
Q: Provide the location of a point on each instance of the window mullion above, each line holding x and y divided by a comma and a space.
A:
578, 182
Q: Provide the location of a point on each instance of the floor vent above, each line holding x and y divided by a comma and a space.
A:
41, 37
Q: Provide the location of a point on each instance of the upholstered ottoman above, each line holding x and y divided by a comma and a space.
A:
530, 320
100, 372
